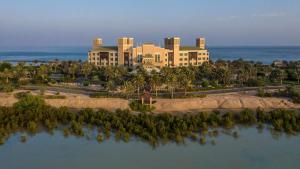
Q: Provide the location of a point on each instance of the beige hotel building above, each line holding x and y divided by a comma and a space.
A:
148, 55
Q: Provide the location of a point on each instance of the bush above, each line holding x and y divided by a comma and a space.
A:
99, 95
205, 83
20, 95
138, 106
29, 102
255, 82
86, 83
261, 93
6, 88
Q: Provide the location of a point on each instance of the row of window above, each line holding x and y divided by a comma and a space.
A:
185, 64
186, 54
204, 58
110, 54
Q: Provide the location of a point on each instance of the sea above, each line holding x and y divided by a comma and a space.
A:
262, 54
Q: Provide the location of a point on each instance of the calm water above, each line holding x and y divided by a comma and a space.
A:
252, 150
263, 54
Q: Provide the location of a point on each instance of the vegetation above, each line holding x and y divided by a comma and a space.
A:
124, 82
32, 115
291, 92
138, 106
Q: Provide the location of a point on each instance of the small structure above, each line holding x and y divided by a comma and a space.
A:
146, 99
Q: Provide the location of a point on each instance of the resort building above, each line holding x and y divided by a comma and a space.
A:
148, 55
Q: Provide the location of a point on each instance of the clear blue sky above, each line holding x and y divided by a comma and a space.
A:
77, 22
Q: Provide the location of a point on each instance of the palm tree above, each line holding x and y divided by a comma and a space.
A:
73, 69
109, 86
7, 74
128, 88
43, 72
278, 74
86, 69
184, 81
297, 73
139, 82
171, 81
20, 70
155, 81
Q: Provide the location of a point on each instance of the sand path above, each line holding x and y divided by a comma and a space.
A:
232, 101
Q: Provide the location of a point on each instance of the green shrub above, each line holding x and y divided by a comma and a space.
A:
29, 102
20, 95
138, 106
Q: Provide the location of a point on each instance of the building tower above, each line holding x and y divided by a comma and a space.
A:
201, 43
97, 43
125, 45
174, 45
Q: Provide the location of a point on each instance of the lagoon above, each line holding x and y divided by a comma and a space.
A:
253, 149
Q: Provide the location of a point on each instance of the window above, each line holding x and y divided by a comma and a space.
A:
116, 54
180, 64
203, 58
111, 59
116, 59
199, 58
200, 54
111, 54
185, 63
195, 63
116, 64
180, 59
185, 54
181, 54
185, 59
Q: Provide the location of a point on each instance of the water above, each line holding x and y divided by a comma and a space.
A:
252, 150
262, 54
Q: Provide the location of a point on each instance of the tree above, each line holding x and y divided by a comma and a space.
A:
86, 69
138, 82
110, 86
224, 74
155, 81
73, 68
7, 74
20, 70
184, 81
297, 73
171, 81
278, 75
42, 72
128, 88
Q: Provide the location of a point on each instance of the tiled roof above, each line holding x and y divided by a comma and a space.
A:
190, 48
107, 48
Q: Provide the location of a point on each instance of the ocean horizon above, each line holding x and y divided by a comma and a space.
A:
264, 54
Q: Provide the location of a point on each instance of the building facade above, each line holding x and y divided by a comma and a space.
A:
148, 55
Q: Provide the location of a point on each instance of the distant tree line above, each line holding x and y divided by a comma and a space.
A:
211, 75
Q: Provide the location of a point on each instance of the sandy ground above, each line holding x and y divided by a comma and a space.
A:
232, 101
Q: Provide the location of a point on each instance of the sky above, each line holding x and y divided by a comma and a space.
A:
221, 22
